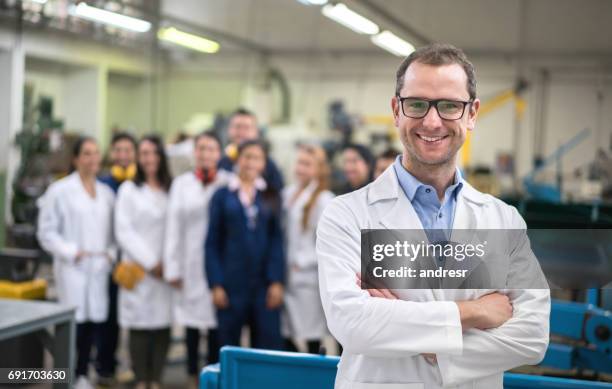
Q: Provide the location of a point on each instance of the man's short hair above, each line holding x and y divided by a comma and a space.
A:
241, 112
122, 135
438, 54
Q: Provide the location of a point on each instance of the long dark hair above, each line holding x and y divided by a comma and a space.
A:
77, 147
163, 172
271, 196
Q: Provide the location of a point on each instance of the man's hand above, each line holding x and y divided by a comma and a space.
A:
275, 295
430, 358
177, 283
80, 255
374, 292
158, 271
489, 311
219, 297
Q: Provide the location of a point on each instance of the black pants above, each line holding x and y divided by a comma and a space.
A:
313, 346
148, 350
192, 341
87, 333
264, 323
106, 361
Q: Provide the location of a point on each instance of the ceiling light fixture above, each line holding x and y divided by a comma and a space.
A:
349, 18
188, 40
313, 2
392, 43
84, 11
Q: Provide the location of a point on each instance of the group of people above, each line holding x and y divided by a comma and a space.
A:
227, 245
214, 249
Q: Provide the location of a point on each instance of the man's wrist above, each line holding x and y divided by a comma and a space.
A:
470, 314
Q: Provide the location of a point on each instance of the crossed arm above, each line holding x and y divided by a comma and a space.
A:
471, 339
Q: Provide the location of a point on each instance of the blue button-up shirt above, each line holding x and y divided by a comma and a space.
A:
433, 214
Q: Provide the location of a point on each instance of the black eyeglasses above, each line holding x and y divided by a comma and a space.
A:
417, 108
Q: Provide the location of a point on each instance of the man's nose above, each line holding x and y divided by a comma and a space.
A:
432, 119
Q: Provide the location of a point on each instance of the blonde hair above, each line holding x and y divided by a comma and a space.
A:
323, 177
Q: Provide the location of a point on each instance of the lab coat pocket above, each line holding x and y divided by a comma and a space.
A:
412, 385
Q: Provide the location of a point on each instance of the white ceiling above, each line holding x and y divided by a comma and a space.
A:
487, 27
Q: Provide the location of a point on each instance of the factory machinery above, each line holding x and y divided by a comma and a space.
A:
581, 336
254, 369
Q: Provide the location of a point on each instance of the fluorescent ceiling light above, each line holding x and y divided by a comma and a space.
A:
313, 2
191, 41
392, 43
85, 11
351, 19
39, 1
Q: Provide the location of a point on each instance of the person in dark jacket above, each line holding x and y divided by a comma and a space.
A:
244, 253
123, 168
242, 127
123, 160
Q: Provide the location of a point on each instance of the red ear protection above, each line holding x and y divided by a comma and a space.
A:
206, 176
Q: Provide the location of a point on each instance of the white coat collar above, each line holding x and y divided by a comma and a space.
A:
401, 214
386, 186
233, 183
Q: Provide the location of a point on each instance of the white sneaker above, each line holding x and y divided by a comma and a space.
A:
83, 383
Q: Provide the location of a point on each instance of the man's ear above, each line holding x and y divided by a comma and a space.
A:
473, 113
395, 108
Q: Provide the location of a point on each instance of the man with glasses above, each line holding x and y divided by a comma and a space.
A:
427, 338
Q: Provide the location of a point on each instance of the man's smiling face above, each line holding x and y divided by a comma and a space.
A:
432, 140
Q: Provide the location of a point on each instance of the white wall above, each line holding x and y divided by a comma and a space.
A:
130, 104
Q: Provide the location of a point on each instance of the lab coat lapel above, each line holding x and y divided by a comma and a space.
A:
397, 210
399, 215
467, 212
465, 217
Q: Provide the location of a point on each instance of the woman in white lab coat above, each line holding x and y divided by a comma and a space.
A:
140, 220
75, 227
303, 202
186, 228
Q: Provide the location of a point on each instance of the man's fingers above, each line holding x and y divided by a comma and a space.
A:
376, 293
388, 294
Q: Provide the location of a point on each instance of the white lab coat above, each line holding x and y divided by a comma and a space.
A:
69, 221
140, 220
186, 229
303, 316
383, 339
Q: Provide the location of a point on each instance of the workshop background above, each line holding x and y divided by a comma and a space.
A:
312, 71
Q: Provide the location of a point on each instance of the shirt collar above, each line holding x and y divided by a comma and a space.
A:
410, 184
233, 183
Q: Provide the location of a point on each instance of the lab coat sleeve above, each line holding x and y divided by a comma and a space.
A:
51, 222
276, 258
130, 241
173, 247
522, 340
214, 241
371, 326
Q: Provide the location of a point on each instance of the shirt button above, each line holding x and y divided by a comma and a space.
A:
440, 216
427, 190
